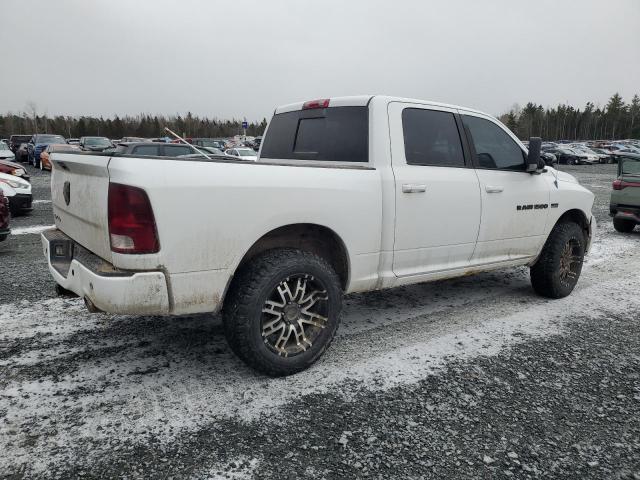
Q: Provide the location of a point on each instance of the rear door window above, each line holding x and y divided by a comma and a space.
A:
431, 138
338, 134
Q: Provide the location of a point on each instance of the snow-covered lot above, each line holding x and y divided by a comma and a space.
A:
475, 377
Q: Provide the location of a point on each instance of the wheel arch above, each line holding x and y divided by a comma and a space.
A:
310, 237
580, 217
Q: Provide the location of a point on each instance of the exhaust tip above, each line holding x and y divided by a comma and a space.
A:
90, 306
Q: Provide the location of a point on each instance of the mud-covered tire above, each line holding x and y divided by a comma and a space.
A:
547, 273
253, 286
623, 225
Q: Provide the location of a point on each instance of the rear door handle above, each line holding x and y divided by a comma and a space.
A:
493, 188
413, 188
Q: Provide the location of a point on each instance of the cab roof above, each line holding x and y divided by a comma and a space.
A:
363, 101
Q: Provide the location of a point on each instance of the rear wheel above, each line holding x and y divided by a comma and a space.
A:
556, 272
623, 225
282, 311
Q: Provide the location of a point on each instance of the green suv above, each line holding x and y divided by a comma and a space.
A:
625, 197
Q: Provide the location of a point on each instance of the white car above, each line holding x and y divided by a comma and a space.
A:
350, 194
588, 155
6, 153
18, 191
243, 153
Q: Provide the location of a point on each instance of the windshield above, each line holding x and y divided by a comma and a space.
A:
630, 166
96, 141
246, 152
50, 139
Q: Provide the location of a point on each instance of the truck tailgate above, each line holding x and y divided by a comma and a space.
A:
79, 191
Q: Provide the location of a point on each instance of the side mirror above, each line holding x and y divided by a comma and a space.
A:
534, 154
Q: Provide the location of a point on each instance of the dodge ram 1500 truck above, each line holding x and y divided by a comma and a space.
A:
349, 194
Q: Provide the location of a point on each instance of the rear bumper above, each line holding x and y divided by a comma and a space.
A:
626, 212
109, 289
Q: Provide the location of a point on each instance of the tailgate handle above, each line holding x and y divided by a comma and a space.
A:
413, 188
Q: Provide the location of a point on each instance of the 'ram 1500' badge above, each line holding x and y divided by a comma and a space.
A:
537, 206
66, 191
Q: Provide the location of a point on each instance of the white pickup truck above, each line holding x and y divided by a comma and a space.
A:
349, 194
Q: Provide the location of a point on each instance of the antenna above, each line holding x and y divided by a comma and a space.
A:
166, 129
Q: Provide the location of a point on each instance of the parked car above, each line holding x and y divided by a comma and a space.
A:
18, 191
95, 144
624, 205
330, 208
605, 155
154, 149
548, 158
209, 142
22, 155
15, 169
256, 143
38, 143
243, 153
622, 152
132, 139
567, 155
5, 217
45, 156
591, 156
210, 151
6, 153
15, 141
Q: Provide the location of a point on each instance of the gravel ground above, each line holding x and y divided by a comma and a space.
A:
467, 378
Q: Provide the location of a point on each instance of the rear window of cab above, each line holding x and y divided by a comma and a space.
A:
334, 134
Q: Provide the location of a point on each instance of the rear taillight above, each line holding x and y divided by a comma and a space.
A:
132, 226
311, 104
620, 184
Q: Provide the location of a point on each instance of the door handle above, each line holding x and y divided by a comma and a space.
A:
493, 188
413, 188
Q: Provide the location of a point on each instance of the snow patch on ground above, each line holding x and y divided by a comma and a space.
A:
30, 230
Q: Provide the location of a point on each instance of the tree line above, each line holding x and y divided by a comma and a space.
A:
143, 125
616, 120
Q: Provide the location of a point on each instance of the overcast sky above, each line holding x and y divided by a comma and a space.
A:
244, 57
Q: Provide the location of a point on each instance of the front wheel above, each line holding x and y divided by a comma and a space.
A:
282, 311
623, 225
558, 268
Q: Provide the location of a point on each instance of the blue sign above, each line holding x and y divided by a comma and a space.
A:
245, 125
